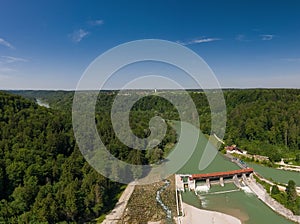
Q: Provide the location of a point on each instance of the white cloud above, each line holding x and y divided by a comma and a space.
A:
199, 41
10, 59
6, 43
78, 35
267, 36
204, 40
97, 22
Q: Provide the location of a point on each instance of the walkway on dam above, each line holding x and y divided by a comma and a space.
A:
221, 174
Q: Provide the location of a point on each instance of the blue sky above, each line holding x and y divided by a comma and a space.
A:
49, 44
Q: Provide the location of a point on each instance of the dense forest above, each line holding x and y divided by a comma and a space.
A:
43, 176
264, 121
261, 121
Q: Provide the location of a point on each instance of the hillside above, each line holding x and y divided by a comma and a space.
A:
43, 176
262, 121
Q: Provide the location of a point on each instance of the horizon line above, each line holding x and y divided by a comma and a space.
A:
149, 89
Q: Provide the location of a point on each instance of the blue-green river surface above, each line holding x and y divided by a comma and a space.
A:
247, 207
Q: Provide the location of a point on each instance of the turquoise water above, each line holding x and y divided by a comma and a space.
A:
220, 163
247, 207
280, 176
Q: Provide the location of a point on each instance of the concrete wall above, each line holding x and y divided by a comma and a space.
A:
272, 203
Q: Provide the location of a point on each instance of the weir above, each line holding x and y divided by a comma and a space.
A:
208, 183
222, 181
236, 181
209, 178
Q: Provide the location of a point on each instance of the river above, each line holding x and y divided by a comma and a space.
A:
159, 200
247, 207
42, 104
280, 176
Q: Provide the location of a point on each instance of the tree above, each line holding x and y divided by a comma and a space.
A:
291, 192
275, 190
46, 209
72, 197
297, 158
24, 195
6, 211
43, 176
2, 181
154, 155
275, 156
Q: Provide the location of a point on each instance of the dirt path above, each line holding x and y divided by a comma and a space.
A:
116, 214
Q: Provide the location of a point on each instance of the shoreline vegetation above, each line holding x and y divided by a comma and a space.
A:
278, 164
281, 206
286, 195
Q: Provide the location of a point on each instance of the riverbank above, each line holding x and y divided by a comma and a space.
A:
266, 163
278, 176
193, 215
116, 214
143, 206
262, 194
283, 166
281, 187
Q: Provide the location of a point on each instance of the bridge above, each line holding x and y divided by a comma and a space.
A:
190, 181
221, 174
